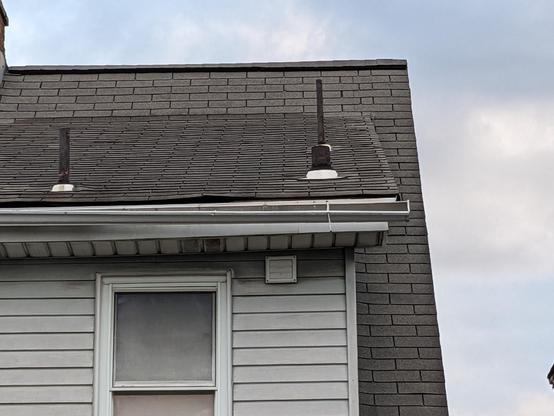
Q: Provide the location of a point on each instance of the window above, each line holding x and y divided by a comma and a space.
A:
162, 346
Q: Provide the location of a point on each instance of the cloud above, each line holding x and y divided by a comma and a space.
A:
529, 404
176, 33
486, 163
534, 404
290, 34
486, 176
497, 342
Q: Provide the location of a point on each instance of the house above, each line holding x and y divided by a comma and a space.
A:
234, 239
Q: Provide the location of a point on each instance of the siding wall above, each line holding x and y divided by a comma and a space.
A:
46, 341
289, 341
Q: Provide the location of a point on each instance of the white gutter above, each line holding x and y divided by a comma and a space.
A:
324, 211
202, 220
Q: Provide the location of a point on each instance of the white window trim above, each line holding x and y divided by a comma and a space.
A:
351, 332
108, 284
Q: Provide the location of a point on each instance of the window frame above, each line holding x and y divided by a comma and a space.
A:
107, 285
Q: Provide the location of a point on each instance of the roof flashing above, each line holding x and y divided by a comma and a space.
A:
319, 174
62, 187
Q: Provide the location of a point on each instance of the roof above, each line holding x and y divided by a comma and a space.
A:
160, 158
210, 132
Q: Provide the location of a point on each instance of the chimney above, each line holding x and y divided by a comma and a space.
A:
321, 154
3, 24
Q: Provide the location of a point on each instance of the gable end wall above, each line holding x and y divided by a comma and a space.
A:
400, 367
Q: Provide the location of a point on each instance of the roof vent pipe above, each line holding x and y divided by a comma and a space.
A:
63, 184
321, 154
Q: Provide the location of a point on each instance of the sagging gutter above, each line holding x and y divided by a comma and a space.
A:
201, 220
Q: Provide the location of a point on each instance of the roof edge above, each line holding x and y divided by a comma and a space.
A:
214, 67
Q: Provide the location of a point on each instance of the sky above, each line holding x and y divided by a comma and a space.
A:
483, 98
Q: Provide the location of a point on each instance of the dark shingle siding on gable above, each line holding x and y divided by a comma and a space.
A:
400, 366
401, 371
346, 92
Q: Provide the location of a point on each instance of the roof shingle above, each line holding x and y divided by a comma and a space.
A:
170, 158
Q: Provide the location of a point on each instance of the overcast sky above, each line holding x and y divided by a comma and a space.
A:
482, 80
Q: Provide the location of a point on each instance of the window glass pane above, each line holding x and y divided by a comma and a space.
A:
163, 337
164, 405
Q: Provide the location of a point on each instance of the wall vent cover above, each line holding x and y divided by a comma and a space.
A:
280, 269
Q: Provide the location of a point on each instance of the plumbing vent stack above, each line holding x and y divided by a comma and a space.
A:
321, 154
63, 184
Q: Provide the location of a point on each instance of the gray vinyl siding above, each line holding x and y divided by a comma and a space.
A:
289, 341
46, 343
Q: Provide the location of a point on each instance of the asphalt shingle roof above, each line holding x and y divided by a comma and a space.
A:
180, 158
